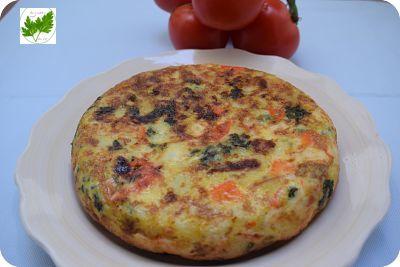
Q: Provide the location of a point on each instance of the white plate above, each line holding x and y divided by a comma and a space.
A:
52, 215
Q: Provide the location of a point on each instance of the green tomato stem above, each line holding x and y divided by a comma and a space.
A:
293, 11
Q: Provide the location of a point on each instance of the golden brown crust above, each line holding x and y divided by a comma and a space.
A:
204, 161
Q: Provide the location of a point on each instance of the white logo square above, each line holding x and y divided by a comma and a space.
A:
37, 26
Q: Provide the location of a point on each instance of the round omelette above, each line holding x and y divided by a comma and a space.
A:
204, 161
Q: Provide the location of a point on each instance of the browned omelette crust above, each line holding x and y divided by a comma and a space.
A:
204, 161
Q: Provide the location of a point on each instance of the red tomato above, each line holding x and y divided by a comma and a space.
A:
186, 31
274, 32
227, 14
170, 5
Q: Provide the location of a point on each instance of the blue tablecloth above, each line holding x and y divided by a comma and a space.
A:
357, 43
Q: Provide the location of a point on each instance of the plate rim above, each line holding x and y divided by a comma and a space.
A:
41, 240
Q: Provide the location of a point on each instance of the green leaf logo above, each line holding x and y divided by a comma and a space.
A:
41, 24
